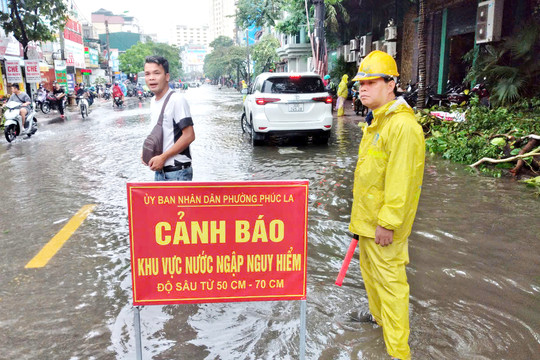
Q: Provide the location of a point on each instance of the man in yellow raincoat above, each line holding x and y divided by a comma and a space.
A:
387, 184
342, 92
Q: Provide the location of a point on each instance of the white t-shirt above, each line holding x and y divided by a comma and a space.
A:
177, 109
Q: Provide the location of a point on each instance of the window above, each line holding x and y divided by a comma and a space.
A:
288, 85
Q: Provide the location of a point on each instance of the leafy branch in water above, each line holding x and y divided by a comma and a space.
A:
498, 134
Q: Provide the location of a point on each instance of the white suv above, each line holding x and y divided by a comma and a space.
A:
287, 104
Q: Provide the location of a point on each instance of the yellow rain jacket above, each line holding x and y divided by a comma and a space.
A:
343, 89
389, 172
387, 184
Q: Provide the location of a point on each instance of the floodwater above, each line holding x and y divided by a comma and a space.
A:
474, 271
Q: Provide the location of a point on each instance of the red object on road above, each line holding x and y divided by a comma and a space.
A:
346, 262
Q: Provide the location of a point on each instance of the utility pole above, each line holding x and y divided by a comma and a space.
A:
321, 64
108, 51
247, 49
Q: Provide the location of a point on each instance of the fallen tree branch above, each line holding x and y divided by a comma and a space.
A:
533, 142
536, 152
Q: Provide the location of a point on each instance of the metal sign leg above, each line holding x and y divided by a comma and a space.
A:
302, 329
138, 342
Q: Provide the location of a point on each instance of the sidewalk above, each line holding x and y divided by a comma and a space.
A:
349, 112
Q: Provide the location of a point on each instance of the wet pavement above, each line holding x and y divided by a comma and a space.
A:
474, 249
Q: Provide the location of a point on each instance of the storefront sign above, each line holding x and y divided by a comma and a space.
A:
61, 73
218, 242
13, 72
31, 68
2, 85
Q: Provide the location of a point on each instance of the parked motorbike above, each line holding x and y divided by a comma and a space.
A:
483, 93
357, 104
432, 98
50, 103
13, 121
458, 95
411, 94
40, 97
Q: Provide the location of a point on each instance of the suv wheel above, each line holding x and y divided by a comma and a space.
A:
322, 138
257, 139
244, 124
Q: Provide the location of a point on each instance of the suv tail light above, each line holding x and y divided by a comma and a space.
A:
264, 101
325, 99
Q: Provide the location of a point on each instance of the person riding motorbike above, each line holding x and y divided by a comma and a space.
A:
117, 92
84, 92
332, 90
59, 95
23, 98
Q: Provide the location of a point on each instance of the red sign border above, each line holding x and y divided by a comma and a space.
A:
217, 184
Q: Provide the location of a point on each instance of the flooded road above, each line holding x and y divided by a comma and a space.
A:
474, 271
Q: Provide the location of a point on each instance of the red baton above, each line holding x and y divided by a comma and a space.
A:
346, 262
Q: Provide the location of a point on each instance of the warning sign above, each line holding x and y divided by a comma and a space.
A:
218, 242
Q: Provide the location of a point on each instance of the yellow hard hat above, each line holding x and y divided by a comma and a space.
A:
375, 65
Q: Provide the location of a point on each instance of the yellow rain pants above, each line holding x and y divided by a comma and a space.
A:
383, 271
342, 93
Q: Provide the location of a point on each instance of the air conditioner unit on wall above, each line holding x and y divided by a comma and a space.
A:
353, 44
376, 45
390, 33
358, 60
352, 56
364, 47
346, 51
489, 21
390, 47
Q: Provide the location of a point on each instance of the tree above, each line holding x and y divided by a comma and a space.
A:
422, 49
264, 54
225, 59
34, 20
132, 61
258, 12
509, 68
221, 42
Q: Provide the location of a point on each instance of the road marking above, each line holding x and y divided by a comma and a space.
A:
52, 247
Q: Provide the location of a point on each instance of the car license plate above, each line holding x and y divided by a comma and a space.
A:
296, 107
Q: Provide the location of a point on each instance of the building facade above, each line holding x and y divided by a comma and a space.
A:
194, 35
222, 19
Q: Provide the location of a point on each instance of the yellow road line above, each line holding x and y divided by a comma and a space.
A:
52, 247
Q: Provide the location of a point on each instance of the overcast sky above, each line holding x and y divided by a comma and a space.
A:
156, 17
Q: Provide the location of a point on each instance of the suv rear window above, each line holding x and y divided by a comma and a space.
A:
288, 85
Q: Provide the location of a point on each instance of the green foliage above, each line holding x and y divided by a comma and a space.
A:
225, 60
341, 67
37, 20
221, 42
510, 68
533, 182
132, 61
264, 54
481, 135
257, 12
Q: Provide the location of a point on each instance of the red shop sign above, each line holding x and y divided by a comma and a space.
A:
218, 241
